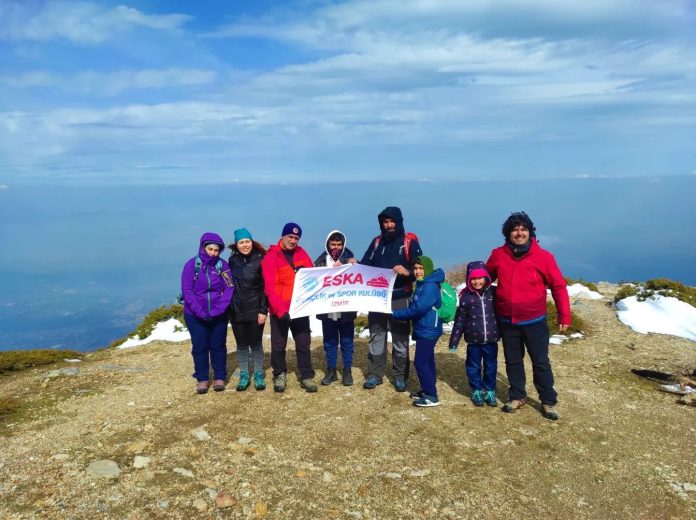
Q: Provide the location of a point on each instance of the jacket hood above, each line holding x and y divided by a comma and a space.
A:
477, 269
393, 213
437, 276
209, 237
326, 243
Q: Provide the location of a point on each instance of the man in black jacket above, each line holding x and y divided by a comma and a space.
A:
392, 249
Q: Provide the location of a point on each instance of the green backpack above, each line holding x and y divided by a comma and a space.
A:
448, 309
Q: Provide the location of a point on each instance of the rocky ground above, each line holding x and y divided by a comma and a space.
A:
621, 449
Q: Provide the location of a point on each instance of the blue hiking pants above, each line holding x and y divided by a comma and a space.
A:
424, 362
209, 347
481, 356
335, 331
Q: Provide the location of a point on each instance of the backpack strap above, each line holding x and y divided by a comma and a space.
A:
197, 267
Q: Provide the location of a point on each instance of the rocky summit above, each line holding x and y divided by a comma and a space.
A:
125, 436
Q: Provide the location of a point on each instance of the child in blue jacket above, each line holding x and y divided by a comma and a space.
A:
476, 319
427, 326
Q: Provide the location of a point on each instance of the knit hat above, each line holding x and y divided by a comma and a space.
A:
241, 234
426, 262
292, 229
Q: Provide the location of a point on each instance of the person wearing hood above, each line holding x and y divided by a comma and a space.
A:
393, 249
475, 318
249, 307
337, 326
279, 266
427, 327
524, 271
207, 288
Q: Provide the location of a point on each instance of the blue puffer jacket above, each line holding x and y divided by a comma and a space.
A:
476, 312
422, 309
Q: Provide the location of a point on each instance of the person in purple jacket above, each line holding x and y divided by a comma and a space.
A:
207, 288
476, 319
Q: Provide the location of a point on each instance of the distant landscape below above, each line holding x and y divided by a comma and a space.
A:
80, 266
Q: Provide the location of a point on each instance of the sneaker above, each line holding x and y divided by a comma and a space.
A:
309, 385
219, 385
243, 381
347, 379
550, 412
513, 405
371, 382
400, 384
259, 380
330, 377
477, 397
426, 401
202, 387
416, 395
489, 398
279, 382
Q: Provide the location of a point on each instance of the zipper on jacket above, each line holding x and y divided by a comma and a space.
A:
207, 275
483, 316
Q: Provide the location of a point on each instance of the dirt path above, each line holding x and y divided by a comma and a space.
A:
620, 450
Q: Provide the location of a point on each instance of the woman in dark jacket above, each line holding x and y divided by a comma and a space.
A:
249, 307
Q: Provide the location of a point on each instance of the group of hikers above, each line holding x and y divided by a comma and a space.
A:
256, 283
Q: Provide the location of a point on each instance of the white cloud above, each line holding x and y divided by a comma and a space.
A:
80, 22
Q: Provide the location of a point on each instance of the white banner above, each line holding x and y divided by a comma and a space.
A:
350, 287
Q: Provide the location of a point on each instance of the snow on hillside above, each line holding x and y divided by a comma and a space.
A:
661, 314
169, 330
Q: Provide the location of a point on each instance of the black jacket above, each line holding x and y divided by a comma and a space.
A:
249, 299
321, 261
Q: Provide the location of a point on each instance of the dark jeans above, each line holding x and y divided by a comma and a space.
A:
380, 323
478, 354
208, 340
535, 339
249, 336
424, 361
279, 340
333, 331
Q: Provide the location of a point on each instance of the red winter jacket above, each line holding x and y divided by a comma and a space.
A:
279, 277
522, 283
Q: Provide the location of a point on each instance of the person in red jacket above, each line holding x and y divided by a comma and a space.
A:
524, 271
279, 267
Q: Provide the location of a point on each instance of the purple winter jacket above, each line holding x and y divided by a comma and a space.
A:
209, 294
476, 312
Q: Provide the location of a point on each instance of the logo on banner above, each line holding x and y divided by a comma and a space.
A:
380, 281
344, 279
310, 284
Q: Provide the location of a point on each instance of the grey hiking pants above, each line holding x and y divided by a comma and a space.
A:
380, 323
249, 337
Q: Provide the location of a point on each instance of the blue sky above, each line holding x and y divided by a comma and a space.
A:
260, 91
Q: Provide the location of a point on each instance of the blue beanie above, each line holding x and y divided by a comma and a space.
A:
241, 234
292, 229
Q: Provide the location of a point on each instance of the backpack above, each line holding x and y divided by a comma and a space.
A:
408, 238
447, 311
197, 267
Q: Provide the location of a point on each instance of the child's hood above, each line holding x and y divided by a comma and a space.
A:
477, 269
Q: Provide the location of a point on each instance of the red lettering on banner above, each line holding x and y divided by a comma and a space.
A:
342, 279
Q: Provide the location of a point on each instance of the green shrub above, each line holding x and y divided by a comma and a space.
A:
150, 320
361, 323
661, 286
13, 360
577, 323
590, 285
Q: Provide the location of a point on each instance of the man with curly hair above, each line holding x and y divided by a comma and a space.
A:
524, 271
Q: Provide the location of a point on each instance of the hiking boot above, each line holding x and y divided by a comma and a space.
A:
513, 405
243, 380
416, 395
259, 380
426, 401
477, 397
219, 385
347, 377
400, 384
330, 376
550, 412
279, 382
202, 387
371, 382
489, 398
309, 385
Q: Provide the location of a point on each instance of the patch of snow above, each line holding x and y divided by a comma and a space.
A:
580, 291
660, 314
163, 331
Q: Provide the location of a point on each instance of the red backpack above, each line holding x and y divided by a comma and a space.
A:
408, 238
